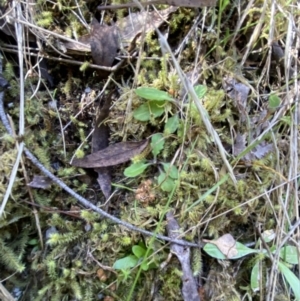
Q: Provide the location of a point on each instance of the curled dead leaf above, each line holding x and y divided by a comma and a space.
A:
227, 245
112, 155
258, 152
104, 43
132, 26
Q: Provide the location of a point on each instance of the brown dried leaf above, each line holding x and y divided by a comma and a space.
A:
104, 180
260, 151
189, 3
40, 182
239, 145
131, 26
259, 122
227, 245
82, 47
101, 130
104, 43
184, 3
239, 93
112, 155
99, 142
257, 152
189, 287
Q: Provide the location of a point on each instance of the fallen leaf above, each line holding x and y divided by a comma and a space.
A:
82, 46
104, 42
189, 287
132, 26
259, 122
112, 155
44, 72
227, 245
239, 93
188, 3
260, 151
184, 3
239, 145
40, 182
99, 142
257, 152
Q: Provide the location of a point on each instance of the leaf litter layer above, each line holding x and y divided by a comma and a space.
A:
228, 172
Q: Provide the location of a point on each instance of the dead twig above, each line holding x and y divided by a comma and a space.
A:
68, 61
81, 199
185, 3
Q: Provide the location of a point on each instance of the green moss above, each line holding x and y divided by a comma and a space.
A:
81, 239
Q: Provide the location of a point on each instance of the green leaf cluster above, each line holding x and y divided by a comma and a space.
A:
288, 255
155, 105
132, 260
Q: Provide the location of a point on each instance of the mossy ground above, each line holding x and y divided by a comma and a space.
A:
74, 262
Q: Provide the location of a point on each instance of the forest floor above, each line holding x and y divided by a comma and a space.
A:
149, 152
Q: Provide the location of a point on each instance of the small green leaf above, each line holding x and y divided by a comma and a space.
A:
152, 94
214, 251
147, 110
274, 101
145, 266
291, 278
289, 254
156, 109
126, 263
287, 120
135, 169
138, 251
255, 278
157, 143
243, 250
166, 183
33, 242
142, 113
200, 90
171, 170
171, 125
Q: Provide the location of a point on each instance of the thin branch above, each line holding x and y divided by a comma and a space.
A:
81, 199
68, 61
